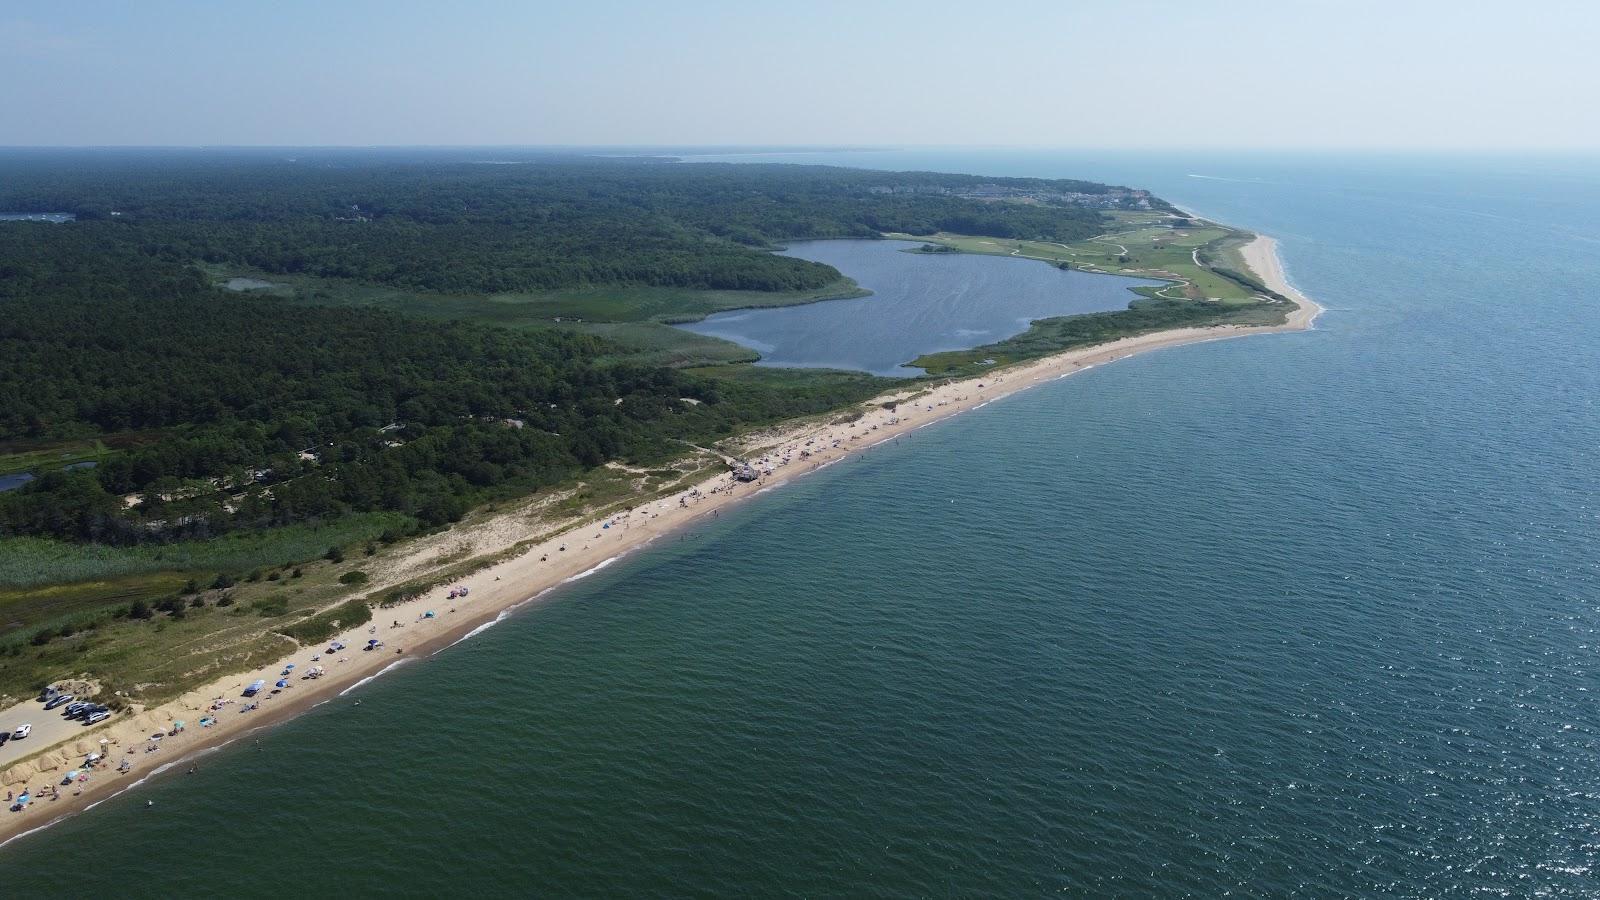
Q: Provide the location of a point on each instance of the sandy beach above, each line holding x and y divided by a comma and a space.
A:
411, 631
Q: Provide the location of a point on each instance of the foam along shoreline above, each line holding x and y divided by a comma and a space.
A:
575, 554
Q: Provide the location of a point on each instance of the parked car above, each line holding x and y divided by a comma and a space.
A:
73, 707
97, 717
4, 736
21, 732
58, 700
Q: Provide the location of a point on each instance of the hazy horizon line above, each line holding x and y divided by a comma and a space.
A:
778, 148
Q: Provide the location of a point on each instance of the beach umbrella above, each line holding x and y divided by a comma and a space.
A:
282, 683
289, 666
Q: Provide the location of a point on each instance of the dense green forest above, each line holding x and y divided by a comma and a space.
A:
234, 412
255, 412
542, 222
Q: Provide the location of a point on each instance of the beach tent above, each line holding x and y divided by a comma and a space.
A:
282, 683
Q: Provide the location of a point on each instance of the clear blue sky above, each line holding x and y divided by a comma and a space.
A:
1288, 73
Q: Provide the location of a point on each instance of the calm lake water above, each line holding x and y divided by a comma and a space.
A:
1296, 615
921, 303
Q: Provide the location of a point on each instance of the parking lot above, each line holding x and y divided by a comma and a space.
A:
49, 727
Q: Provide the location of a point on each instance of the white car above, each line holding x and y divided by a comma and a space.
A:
21, 732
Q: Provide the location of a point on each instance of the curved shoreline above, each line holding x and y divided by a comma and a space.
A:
549, 564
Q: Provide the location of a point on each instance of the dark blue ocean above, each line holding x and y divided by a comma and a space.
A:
1293, 615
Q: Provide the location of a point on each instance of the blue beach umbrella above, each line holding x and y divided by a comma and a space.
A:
282, 683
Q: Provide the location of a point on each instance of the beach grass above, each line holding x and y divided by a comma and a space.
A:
29, 562
219, 629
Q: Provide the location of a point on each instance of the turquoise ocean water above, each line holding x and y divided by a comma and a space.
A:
1296, 615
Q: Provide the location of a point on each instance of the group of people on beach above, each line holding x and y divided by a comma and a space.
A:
19, 800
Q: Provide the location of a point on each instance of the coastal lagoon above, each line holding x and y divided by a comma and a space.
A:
1295, 614
920, 303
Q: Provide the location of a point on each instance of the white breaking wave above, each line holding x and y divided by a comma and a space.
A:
383, 671
499, 617
587, 572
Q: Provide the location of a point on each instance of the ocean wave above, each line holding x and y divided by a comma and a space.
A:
383, 671
480, 629
587, 572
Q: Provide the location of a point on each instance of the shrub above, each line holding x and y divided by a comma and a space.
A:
140, 610
225, 600
354, 577
223, 581
334, 555
322, 626
398, 596
268, 607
